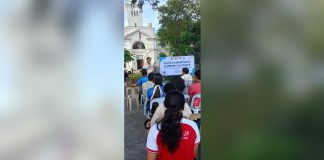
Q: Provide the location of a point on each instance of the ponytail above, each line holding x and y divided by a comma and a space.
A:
157, 79
157, 93
171, 133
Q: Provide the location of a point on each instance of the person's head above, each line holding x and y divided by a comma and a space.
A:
169, 87
157, 79
197, 75
179, 83
174, 100
185, 70
148, 59
171, 132
150, 76
144, 72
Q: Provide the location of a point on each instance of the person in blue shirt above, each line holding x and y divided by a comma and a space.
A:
157, 90
143, 79
157, 80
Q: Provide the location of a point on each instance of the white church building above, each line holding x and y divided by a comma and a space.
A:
140, 40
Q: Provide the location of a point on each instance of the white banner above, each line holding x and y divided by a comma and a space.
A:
170, 66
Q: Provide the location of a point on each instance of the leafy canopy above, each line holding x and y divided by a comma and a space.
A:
180, 27
140, 3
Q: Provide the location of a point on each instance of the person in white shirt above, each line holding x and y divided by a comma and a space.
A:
148, 84
148, 65
187, 78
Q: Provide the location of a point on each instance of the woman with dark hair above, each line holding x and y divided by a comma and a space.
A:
174, 137
195, 87
156, 91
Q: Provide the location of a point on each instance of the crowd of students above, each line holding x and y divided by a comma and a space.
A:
172, 135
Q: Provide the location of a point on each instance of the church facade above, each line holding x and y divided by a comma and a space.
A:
140, 40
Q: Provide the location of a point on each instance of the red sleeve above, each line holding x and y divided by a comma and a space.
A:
190, 91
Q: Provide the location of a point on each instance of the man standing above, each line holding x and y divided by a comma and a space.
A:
187, 78
148, 65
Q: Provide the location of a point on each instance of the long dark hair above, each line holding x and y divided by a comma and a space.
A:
171, 132
157, 79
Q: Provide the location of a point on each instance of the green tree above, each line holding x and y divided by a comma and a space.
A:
128, 56
162, 54
180, 27
140, 3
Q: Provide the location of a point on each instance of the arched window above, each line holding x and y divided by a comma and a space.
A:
138, 45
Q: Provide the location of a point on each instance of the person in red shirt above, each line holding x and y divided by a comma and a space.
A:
174, 138
195, 88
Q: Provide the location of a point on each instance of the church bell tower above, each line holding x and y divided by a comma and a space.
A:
134, 15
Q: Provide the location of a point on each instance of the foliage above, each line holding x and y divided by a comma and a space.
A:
128, 56
162, 54
140, 3
135, 76
180, 27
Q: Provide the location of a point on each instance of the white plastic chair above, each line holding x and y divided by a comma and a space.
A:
144, 99
132, 93
143, 95
186, 96
197, 108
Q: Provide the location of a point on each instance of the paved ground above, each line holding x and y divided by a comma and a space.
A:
135, 134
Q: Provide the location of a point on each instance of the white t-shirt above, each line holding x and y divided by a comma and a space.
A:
148, 67
187, 79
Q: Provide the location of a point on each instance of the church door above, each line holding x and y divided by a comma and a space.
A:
140, 63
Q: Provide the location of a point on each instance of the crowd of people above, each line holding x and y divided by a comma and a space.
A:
171, 134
